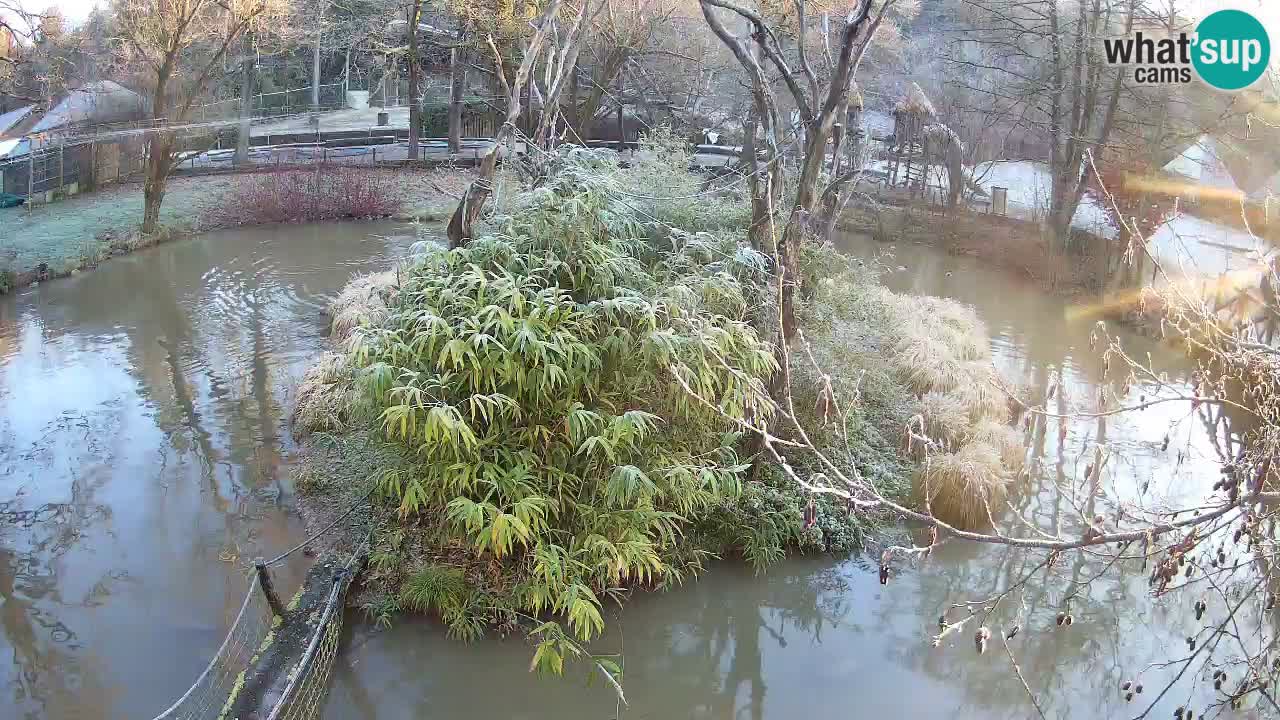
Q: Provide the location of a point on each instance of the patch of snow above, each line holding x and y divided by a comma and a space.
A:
1028, 183
937, 173
877, 123
104, 101
14, 147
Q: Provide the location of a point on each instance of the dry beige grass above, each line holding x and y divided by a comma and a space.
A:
329, 396
941, 352
946, 422
981, 394
966, 488
926, 364
1005, 439
363, 302
326, 396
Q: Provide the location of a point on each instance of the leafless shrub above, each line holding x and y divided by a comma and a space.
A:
325, 192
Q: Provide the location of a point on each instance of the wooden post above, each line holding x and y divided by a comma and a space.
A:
622, 123
264, 580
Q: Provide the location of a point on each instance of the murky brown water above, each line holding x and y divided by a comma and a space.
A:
144, 456
819, 637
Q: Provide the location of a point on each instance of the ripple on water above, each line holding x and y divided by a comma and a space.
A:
143, 410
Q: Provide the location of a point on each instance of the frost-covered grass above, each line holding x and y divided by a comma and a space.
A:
82, 231
920, 369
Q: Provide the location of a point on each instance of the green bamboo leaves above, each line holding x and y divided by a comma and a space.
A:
530, 374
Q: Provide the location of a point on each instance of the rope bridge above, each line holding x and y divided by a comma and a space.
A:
264, 628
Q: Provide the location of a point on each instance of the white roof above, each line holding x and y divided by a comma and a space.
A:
1202, 162
101, 101
13, 117
14, 147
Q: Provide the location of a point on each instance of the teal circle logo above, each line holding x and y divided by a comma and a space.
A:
1232, 49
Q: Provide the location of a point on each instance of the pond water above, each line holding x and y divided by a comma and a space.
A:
144, 456
821, 637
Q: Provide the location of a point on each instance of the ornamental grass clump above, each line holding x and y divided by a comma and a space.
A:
532, 375
969, 455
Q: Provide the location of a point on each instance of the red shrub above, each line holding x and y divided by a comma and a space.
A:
321, 192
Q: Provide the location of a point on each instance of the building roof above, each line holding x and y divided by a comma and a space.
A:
915, 102
14, 147
11, 119
1205, 162
99, 102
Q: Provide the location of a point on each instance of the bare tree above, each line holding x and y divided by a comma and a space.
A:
461, 224
819, 100
618, 38
1041, 63
177, 48
457, 86
559, 67
412, 27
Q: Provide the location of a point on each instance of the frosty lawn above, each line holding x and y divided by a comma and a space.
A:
81, 231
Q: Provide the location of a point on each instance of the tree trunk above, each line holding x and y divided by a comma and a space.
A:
415, 112
622, 127
798, 222
831, 199
315, 66
246, 103
159, 147
462, 223
751, 161
560, 68
610, 69
457, 84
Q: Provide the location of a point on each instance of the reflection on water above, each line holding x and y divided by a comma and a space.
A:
144, 456
823, 637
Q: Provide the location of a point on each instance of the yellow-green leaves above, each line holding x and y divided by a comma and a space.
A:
529, 375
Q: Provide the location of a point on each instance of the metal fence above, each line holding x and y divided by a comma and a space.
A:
58, 171
273, 104
303, 698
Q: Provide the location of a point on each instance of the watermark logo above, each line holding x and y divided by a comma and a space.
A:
1229, 50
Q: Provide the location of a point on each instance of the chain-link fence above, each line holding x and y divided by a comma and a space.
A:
213, 690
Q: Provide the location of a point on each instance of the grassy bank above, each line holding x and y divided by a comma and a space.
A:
545, 455
57, 239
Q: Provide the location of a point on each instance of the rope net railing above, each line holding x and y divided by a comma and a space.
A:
303, 697
215, 691
215, 687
